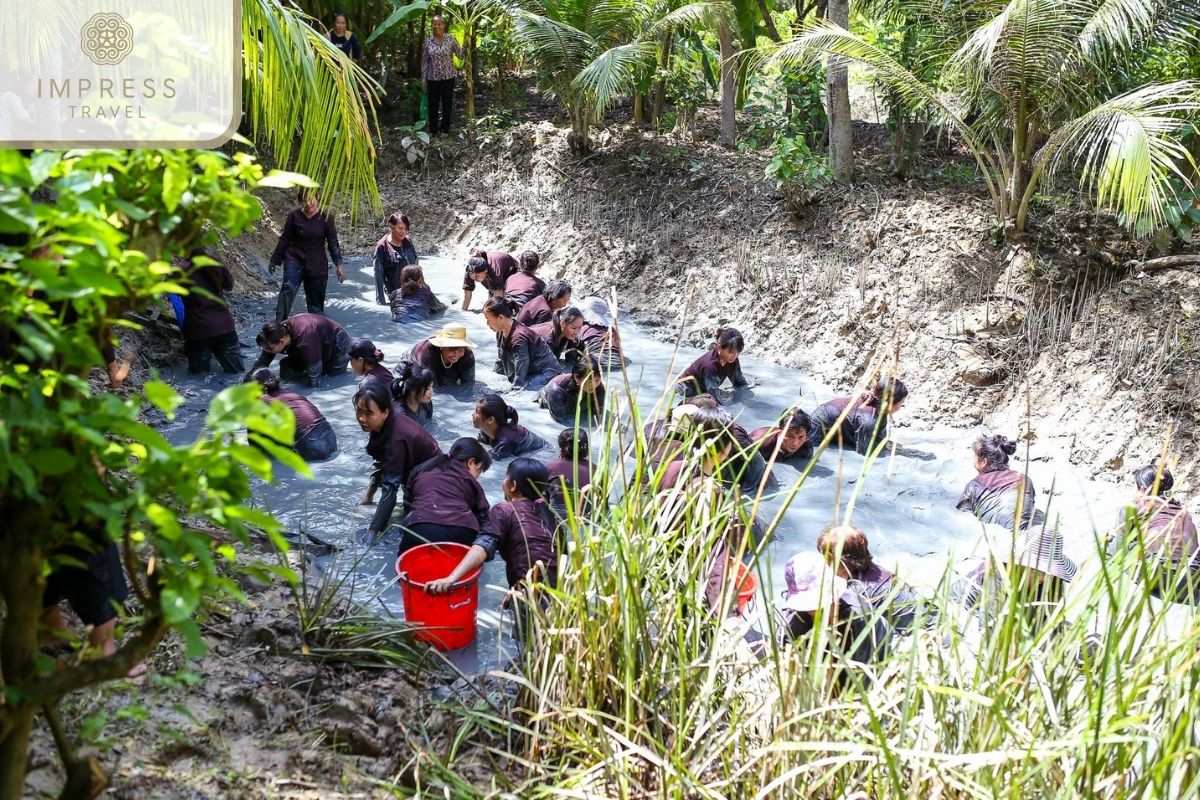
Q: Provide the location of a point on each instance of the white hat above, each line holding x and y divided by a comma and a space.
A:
811, 583
452, 334
1041, 550
596, 311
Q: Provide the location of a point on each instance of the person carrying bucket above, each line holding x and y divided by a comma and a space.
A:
521, 529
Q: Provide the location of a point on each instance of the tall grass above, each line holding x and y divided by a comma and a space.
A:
629, 688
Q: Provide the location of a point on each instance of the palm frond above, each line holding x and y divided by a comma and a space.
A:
1129, 149
298, 82
700, 14
612, 71
1120, 25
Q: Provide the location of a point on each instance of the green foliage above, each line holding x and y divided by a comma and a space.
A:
90, 236
414, 142
797, 171
769, 98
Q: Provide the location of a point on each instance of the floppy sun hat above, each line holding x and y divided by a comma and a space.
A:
452, 334
596, 311
1043, 551
811, 583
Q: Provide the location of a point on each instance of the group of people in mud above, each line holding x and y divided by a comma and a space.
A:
562, 348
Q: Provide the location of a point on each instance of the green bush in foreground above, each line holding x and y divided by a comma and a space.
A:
88, 236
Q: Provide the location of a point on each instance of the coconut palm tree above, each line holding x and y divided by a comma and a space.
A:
589, 50
1026, 88
296, 83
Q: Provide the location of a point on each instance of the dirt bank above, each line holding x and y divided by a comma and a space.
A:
1064, 324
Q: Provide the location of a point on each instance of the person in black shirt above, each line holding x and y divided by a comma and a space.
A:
344, 40
306, 232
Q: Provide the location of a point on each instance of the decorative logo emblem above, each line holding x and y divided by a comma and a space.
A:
107, 39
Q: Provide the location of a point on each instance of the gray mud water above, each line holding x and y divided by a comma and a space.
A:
905, 504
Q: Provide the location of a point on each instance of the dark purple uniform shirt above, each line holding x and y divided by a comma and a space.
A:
207, 316
521, 287
537, 310
524, 355
517, 532
447, 496
397, 448
512, 440
705, 375
303, 241
460, 373
500, 266
993, 496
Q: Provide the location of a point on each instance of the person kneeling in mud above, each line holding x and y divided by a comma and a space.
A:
312, 346
1160, 527
315, 439
865, 424
846, 549
745, 465
522, 529
817, 596
721, 363
787, 441
448, 503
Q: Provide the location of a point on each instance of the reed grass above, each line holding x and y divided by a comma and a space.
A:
628, 688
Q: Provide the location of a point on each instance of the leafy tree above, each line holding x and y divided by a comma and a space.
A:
1027, 88
86, 237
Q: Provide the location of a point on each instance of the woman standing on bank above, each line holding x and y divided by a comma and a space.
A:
438, 73
307, 231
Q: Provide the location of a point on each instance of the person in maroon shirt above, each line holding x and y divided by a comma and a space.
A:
393, 253
576, 397
447, 354
598, 336
706, 445
866, 421
397, 445
521, 529
721, 363
999, 495
208, 327
570, 473
414, 301
556, 295
366, 361
306, 233
525, 359
489, 267
312, 345
561, 333
524, 284
1162, 529
315, 439
786, 441
413, 393
447, 502
496, 422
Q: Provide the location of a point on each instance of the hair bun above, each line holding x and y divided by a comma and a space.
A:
1005, 444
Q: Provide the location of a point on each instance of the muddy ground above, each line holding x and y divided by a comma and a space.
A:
1061, 337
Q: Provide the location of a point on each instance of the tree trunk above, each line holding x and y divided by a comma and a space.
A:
837, 96
728, 85
21, 584
907, 132
765, 11
660, 91
639, 108
469, 68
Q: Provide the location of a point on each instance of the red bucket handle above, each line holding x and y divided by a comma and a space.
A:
402, 577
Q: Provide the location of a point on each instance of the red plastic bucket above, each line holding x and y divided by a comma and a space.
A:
447, 621
747, 589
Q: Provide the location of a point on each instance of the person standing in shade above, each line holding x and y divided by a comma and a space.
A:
208, 327
343, 39
307, 231
393, 253
438, 73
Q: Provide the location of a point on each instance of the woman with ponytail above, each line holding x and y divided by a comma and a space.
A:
448, 504
496, 422
561, 333
413, 392
524, 285
998, 495
866, 417
366, 360
524, 358
521, 529
556, 295
414, 301
577, 396
721, 363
